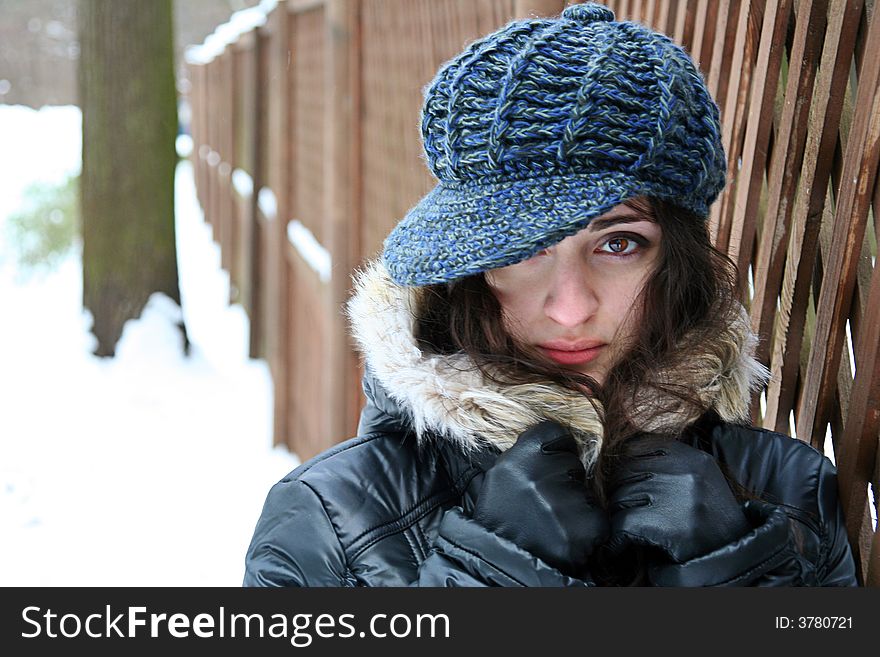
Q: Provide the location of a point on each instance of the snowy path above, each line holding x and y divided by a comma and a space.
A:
148, 469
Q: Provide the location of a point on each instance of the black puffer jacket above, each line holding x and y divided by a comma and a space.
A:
392, 506
378, 510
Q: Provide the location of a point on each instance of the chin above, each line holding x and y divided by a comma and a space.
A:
597, 375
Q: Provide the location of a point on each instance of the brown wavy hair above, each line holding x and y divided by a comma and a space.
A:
687, 299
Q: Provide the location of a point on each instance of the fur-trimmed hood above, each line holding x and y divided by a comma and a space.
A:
448, 397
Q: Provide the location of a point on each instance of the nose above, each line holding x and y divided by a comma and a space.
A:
571, 299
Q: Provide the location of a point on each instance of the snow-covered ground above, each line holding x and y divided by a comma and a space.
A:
149, 469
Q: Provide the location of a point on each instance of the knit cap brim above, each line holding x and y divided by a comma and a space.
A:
459, 229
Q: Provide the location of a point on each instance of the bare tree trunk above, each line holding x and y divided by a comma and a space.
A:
129, 108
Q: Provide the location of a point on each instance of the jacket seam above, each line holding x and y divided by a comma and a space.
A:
345, 563
305, 467
455, 488
414, 546
812, 520
825, 535
483, 559
411, 515
802, 516
396, 526
756, 568
423, 538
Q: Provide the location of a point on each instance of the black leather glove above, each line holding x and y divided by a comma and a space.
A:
535, 496
766, 556
673, 499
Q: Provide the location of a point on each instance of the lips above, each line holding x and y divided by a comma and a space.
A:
572, 353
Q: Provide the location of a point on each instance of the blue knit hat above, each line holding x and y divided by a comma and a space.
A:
545, 124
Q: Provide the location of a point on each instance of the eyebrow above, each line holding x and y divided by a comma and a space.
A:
601, 224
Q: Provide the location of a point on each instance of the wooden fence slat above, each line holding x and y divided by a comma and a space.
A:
194, 73
307, 319
649, 11
873, 576
700, 27
786, 162
300, 314
200, 116
840, 395
208, 134
276, 297
875, 204
635, 11
859, 443
824, 119
684, 28
213, 156
726, 73
342, 199
239, 199
257, 346
860, 164
707, 48
840, 400
661, 20
722, 49
749, 181
223, 167
858, 451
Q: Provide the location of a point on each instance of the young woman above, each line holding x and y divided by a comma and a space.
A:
558, 368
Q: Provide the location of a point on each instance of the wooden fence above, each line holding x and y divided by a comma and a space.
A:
307, 153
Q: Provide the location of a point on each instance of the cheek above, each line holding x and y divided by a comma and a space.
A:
518, 312
520, 302
624, 307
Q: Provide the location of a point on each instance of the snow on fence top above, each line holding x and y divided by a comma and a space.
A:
239, 23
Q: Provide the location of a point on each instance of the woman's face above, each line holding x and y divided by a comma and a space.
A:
572, 301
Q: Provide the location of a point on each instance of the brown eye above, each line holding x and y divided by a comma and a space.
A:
622, 245
619, 244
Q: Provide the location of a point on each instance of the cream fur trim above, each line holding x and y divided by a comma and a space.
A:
449, 397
